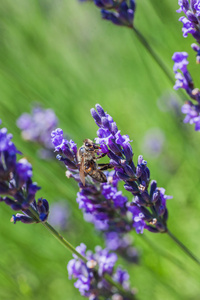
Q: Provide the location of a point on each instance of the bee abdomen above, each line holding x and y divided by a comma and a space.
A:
98, 176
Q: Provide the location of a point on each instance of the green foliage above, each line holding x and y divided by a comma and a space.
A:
61, 54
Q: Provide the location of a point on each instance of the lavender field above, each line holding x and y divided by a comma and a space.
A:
61, 56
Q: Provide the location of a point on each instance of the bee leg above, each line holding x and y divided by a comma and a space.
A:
100, 156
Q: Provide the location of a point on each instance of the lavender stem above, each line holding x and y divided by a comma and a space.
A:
58, 236
183, 247
63, 241
119, 287
163, 253
144, 42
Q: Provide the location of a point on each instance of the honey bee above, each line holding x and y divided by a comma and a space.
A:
87, 157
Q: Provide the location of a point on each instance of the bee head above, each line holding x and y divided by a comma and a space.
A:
90, 145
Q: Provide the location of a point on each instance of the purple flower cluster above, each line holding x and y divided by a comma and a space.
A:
102, 204
91, 281
184, 80
196, 48
191, 24
37, 127
67, 150
119, 12
192, 112
107, 209
191, 21
148, 207
16, 187
105, 206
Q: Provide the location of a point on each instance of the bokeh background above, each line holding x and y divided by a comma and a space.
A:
62, 55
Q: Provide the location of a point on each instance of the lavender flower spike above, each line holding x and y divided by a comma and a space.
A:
37, 127
91, 281
119, 12
102, 204
149, 205
67, 150
196, 48
16, 187
122, 15
192, 112
191, 20
184, 80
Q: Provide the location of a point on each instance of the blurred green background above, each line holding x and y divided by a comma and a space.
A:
61, 54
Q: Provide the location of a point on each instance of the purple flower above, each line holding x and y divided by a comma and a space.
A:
23, 171
57, 139
106, 261
110, 136
136, 179
16, 187
37, 127
103, 205
8, 153
67, 150
188, 27
138, 218
191, 20
42, 207
192, 114
180, 61
181, 82
78, 269
184, 79
197, 8
118, 12
22, 218
122, 277
90, 281
196, 48
6, 143
104, 3
110, 192
191, 24
184, 6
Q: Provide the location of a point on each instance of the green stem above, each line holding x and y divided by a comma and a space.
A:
153, 54
157, 59
63, 241
57, 235
119, 287
162, 252
183, 247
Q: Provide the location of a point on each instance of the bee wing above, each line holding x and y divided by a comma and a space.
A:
81, 171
